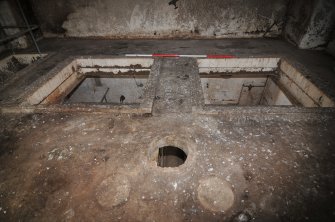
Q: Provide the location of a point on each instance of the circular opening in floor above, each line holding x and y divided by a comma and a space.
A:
171, 156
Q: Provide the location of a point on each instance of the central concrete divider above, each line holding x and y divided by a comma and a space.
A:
178, 88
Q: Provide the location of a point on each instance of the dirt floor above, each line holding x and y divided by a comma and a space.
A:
243, 164
62, 167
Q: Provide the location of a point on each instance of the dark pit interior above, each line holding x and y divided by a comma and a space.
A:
170, 156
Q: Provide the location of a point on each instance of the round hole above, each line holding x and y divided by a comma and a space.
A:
171, 153
170, 156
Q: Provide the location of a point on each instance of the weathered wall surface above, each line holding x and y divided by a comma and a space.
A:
298, 19
8, 17
158, 19
331, 46
310, 23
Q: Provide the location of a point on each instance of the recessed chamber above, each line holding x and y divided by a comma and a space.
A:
111, 81
257, 82
125, 90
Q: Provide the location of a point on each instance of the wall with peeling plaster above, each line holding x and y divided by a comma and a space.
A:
158, 19
310, 23
331, 46
9, 16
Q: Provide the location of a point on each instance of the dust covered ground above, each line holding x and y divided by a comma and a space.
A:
243, 164
85, 167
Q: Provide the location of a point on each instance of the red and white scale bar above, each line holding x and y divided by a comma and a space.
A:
182, 56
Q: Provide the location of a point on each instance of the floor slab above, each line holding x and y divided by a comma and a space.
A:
262, 163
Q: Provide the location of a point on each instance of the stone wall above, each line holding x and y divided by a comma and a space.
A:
310, 23
9, 17
331, 46
158, 19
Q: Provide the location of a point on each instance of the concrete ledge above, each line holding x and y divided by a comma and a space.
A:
77, 108
243, 115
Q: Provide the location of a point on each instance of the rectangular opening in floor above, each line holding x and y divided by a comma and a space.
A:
244, 91
258, 82
111, 81
15, 63
125, 90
